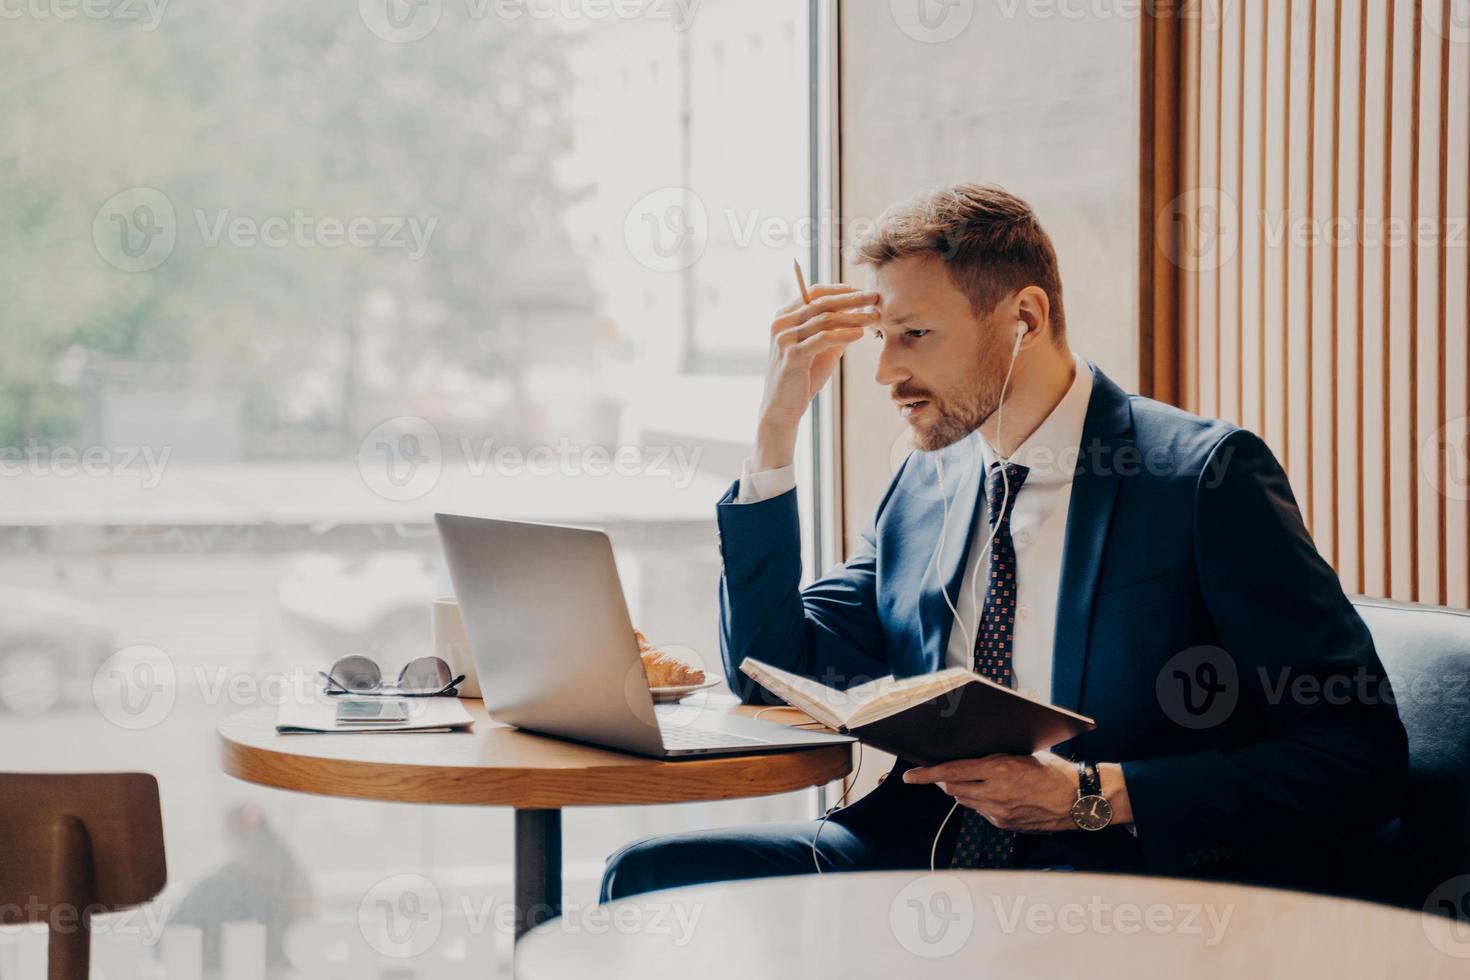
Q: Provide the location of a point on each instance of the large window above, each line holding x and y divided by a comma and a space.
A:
1041, 98
278, 281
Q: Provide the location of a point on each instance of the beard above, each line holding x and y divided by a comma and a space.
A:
961, 411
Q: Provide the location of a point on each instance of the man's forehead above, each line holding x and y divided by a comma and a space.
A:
907, 290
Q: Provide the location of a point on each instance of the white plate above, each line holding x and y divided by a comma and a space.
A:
666, 695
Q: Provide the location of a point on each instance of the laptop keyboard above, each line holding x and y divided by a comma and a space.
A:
685, 737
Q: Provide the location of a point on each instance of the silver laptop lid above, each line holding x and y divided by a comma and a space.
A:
549, 631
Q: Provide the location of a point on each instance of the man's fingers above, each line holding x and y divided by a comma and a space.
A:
819, 291
960, 769
828, 339
801, 313
928, 774
828, 323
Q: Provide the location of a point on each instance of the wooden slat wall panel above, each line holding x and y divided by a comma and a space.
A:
1333, 136
1229, 218
1252, 203
1374, 360
1295, 363
1401, 317
1274, 234
1322, 173
1455, 461
1188, 347
1426, 392
1208, 162
1351, 107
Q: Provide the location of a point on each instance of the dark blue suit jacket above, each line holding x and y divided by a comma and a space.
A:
1196, 623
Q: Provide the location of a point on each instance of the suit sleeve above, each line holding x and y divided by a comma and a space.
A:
1326, 748
828, 631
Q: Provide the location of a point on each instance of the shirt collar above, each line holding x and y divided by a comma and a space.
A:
1050, 453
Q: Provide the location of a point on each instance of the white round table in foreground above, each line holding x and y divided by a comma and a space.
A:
1015, 924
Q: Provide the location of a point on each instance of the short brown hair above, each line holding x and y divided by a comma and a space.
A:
988, 239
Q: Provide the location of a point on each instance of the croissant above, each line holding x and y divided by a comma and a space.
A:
664, 670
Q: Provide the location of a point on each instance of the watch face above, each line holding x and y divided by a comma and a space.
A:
1092, 812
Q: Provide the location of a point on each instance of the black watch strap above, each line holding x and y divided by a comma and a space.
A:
1088, 781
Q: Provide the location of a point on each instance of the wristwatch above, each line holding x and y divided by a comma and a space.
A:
1091, 811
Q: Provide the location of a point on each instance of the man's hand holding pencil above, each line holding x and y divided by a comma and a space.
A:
808, 338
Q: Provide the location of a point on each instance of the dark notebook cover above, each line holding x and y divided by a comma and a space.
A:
969, 722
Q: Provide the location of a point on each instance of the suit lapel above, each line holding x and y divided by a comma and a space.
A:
1107, 429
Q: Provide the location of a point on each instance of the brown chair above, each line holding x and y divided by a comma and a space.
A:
73, 846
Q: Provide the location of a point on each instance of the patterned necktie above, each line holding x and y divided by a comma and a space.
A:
980, 844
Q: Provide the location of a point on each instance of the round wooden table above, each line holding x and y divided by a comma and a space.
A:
495, 765
992, 923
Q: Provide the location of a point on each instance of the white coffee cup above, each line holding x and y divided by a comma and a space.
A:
451, 645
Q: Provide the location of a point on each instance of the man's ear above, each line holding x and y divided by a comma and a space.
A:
1033, 308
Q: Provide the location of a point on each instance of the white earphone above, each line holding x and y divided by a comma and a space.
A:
936, 557
1004, 503
1005, 479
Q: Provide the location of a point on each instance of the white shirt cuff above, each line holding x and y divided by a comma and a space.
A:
755, 487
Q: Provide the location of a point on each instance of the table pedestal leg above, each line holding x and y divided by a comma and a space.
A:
538, 867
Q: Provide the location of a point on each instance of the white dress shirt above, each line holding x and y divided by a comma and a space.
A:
1038, 531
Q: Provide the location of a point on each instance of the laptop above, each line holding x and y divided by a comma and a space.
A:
553, 646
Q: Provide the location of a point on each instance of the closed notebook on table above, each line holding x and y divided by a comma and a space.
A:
932, 718
318, 715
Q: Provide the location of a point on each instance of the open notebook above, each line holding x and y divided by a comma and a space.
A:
931, 718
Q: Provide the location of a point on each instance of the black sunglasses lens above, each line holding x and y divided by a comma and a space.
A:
357, 674
426, 675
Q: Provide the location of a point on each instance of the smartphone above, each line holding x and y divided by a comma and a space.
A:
385, 712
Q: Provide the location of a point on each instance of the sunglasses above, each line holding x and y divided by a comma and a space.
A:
422, 677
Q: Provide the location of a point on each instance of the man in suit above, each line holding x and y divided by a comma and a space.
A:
1111, 554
